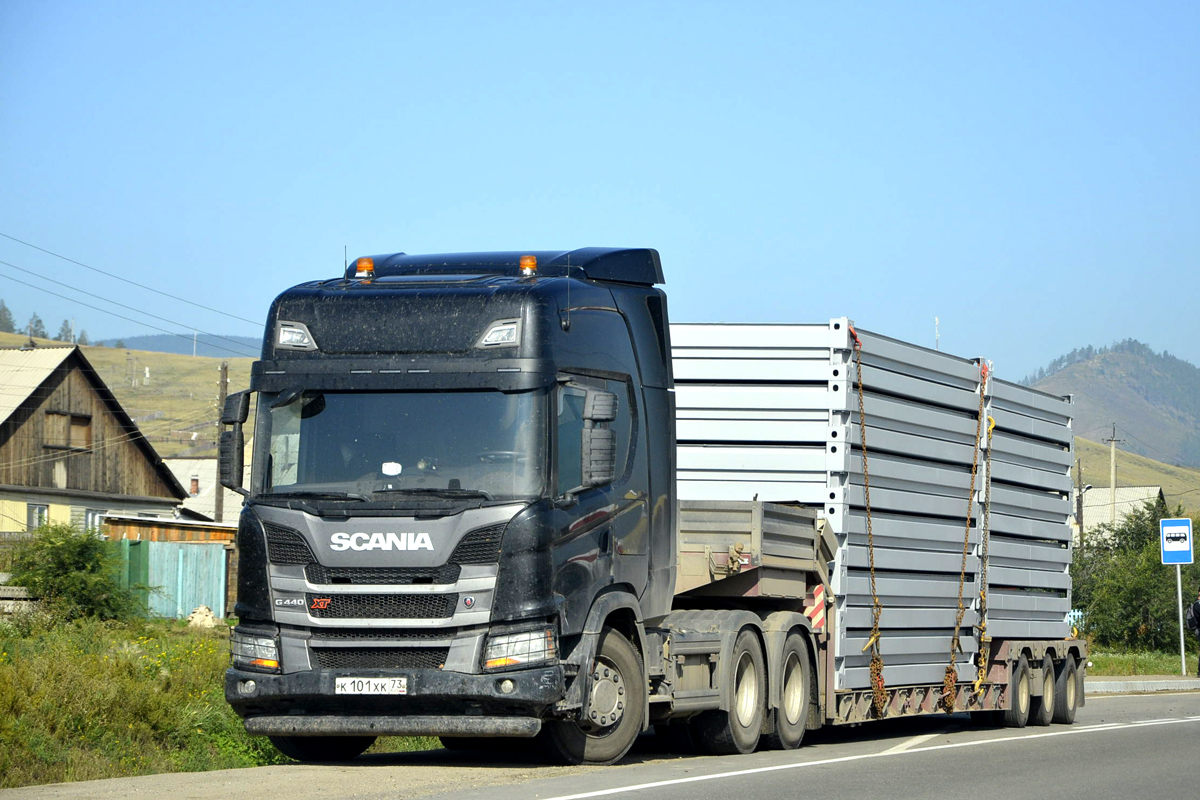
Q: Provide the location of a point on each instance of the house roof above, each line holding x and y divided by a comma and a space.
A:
24, 369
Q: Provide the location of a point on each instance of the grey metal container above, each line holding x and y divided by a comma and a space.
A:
770, 412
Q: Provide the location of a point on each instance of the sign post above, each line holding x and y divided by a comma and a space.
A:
1175, 539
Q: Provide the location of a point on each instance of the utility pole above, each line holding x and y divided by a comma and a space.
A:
1079, 498
218, 489
1112, 474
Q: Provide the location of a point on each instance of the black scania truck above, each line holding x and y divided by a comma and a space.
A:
462, 521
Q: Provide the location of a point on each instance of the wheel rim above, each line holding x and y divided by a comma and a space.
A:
606, 700
746, 697
1048, 688
793, 689
1072, 688
1023, 692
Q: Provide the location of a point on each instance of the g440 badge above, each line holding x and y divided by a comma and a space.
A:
290, 601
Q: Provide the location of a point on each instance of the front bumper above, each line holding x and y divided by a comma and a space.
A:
437, 702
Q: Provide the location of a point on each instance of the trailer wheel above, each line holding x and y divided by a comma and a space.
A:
738, 729
1067, 690
791, 716
1042, 712
1017, 713
616, 703
322, 748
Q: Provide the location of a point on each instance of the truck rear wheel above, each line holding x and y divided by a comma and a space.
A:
1067, 690
322, 748
1043, 707
737, 730
1017, 713
615, 708
791, 716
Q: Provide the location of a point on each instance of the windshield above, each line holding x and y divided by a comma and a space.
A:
392, 445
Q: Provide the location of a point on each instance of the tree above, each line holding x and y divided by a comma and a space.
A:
82, 338
36, 327
1127, 596
65, 334
119, 344
7, 325
76, 573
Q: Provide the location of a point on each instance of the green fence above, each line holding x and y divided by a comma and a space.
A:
176, 577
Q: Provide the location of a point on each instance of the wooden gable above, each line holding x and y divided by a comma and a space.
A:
71, 434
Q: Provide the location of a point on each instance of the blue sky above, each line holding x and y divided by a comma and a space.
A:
1027, 172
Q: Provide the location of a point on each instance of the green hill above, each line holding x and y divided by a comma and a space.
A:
1154, 399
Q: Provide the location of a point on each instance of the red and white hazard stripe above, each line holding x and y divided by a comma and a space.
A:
814, 607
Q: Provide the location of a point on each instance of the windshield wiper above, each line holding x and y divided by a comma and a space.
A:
320, 494
451, 493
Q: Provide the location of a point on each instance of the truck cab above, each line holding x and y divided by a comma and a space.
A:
463, 477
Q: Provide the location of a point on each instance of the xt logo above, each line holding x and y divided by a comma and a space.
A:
320, 603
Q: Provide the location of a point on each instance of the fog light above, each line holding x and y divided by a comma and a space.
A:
247, 687
507, 686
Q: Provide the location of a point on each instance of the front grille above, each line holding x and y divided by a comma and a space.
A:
381, 657
286, 546
381, 634
382, 606
479, 547
320, 574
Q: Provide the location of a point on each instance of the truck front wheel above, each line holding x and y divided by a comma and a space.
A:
322, 748
614, 712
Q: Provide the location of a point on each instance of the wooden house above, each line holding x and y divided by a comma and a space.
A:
68, 451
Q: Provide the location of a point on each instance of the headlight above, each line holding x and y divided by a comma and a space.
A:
519, 649
259, 653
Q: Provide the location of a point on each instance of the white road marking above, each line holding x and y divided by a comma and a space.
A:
913, 742
1072, 731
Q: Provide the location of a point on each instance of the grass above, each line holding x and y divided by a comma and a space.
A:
1130, 664
88, 700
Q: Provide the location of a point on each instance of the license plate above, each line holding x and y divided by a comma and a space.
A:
370, 686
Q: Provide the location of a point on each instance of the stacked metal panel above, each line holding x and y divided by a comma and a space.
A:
770, 412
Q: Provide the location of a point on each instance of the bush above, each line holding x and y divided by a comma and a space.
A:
1128, 597
75, 573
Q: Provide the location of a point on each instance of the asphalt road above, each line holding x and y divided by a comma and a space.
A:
1119, 747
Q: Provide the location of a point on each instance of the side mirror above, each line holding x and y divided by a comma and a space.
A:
230, 461
237, 408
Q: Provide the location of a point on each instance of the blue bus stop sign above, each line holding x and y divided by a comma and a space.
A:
1175, 536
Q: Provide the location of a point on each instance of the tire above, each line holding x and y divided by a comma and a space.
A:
322, 748
738, 729
1017, 714
617, 699
795, 694
1067, 691
1042, 710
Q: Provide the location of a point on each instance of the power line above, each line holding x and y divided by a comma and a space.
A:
122, 305
115, 314
126, 280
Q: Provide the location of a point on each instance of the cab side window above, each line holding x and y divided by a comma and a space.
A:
570, 436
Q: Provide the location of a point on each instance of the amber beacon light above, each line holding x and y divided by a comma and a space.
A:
364, 268
528, 265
